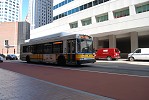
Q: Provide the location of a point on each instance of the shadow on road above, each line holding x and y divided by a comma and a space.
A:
56, 65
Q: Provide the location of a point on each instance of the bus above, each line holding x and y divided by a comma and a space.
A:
60, 48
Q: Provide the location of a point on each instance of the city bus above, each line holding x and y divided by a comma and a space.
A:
60, 48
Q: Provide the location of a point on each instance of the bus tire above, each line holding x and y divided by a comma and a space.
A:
61, 60
28, 59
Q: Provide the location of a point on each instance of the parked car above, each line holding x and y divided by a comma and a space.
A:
108, 53
139, 54
2, 55
1, 59
11, 57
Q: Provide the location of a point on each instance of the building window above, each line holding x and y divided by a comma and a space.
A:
82, 7
101, 18
6, 42
142, 8
69, 12
62, 4
121, 13
86, 21
73, 25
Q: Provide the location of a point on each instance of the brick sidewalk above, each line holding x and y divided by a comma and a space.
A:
14, 86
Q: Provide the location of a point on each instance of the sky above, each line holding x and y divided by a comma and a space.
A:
24, 9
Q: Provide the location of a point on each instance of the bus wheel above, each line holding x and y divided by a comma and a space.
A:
61, 60
28, 59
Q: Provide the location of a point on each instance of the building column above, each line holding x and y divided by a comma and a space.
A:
95, 43
79, 23
132, 10
110, 15
112, 41
134, 40
93, 19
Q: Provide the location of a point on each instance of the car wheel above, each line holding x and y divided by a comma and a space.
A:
109, 58
131, 59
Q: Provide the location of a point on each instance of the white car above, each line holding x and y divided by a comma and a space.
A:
1, 59
139, 54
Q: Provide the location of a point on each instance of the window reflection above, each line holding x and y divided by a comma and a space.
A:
84, 46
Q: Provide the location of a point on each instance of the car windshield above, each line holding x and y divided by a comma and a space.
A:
85, 46
137, 51
116, 50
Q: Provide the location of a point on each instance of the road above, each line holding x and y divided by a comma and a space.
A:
120, 81
120, 67
138, 68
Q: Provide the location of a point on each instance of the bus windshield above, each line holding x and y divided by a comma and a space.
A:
84, 46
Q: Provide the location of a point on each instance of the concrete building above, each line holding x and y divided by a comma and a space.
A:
12, 34
10, 10
112, 23
40, 13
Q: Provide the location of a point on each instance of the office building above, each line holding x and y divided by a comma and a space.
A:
113, 23
10, 10
40, 13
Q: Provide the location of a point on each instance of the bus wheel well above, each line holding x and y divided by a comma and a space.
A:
28, 59
61, 60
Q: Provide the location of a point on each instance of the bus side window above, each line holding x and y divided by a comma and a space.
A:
24, 49
47, 49
33, 49
58, 47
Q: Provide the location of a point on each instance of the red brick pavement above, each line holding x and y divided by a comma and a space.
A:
120, 87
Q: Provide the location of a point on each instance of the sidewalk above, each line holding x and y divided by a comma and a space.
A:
126, 61
14, 86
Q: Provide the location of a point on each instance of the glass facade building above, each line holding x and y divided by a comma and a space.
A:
40, 13
77, 9
10, 10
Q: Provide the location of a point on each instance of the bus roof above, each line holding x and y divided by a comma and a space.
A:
47, 37
52, 37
